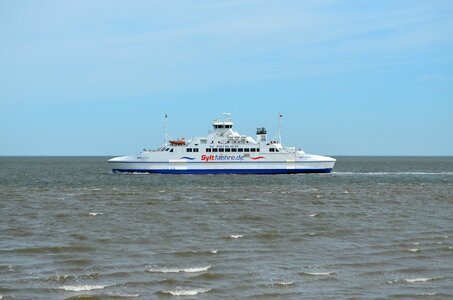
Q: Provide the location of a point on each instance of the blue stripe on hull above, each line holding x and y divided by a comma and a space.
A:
224, 171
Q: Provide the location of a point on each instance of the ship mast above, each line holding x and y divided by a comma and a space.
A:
280, 127
165, 129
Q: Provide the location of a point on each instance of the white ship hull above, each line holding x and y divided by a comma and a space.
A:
129, 164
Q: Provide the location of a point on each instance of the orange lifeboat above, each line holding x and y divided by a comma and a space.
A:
178, 142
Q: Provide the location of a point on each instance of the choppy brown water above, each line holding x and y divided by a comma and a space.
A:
377, 227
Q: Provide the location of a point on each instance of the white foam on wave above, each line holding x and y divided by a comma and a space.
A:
186, 292
179, 270
285, 283
95, 213
79, 288
421, 279
214, 251
236, 236
318, 273
414, 250
313, 215
124, 295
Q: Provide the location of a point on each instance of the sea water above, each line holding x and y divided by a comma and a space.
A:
377, 227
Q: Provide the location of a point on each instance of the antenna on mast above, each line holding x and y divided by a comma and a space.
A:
165, 129
280, 127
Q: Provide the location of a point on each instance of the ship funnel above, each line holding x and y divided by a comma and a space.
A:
261, 134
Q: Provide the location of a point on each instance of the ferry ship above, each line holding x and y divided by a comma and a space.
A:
223, 151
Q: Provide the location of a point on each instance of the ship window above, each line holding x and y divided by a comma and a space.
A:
252, 150
271, 150
234, 150
208, 149
240, 150
246, 150
189, 150
203, 141
171, 150
195, 149
214, 149
227, 149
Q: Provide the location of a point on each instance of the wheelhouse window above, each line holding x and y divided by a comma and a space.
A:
203, 142
271, 149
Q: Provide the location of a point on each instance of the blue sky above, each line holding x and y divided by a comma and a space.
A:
350, 77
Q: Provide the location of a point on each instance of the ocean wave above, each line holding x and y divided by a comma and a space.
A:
236, 236
80, 288
285, 283
209, 276
422, 279
48, 249
123, 295
179, 270
95, 213
186, 292
61, 278
195, 252
317, 273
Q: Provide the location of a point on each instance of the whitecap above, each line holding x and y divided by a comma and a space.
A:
186, 292
414, 250
285, 283
124, 295
415, 243
421, 279
318, 273
236, 236
214, 251
95, 214
313, 215
80, 288
179, 270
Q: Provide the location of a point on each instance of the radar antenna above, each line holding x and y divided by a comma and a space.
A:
227, 117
